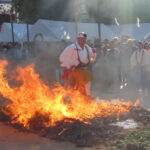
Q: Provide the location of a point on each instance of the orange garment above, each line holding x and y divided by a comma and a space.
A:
82, 76
78, 79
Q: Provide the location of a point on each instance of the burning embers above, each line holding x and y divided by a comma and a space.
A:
36, 106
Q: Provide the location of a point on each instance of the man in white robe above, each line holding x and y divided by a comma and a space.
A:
140, 67
75, 59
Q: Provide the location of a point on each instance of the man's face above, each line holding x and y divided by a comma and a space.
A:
81, 41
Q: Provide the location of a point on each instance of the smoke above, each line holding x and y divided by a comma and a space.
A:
102, 10
46, 60
58, 9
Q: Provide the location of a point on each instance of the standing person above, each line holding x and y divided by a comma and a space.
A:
17, 52
25, 50
113, 62
140, 64
76, 59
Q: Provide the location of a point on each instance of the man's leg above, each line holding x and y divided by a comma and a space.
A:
88, 89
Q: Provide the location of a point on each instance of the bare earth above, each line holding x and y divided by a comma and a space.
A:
12, 139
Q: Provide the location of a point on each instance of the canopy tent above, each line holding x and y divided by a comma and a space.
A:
40, 29
67, 30
52, 30
19, 32
143, 30
6, 34
90, 28
60, 30
127, 29
106, 33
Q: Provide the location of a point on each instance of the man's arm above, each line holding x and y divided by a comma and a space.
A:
92, 54
64, 57
68, 57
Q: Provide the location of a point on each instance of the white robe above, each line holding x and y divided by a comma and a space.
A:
69, 57
137, 60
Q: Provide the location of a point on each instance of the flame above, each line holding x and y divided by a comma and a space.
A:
57, 103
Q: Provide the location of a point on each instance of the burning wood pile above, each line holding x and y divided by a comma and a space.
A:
62, 114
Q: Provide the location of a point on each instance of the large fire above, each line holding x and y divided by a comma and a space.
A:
34, 96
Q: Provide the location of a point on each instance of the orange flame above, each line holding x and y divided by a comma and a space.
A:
34, 96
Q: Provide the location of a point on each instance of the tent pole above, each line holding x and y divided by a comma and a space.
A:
12, 31
99, 31
28, 33
76, 28
76, 3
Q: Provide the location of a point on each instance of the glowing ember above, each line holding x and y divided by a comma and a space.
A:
33, 96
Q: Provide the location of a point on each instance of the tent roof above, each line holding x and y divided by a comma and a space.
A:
60, 30
106, 33
40, 27
19, 31
127, 29
67, 30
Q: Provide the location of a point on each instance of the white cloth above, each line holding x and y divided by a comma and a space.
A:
137, 57
69, 57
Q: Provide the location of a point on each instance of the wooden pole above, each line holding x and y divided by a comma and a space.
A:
28, 38
76, 28
12, 32
12, 28
99, 31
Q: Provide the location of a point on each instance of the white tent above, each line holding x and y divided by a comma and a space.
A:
90, 28
127, 29
6, 32
107, 33
62, 30
52, 30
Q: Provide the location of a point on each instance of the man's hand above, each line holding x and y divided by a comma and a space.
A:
94, 50
93, 59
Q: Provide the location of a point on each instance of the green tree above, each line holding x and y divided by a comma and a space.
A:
101, 11
30, 11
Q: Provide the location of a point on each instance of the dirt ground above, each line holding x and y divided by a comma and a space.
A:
12, 139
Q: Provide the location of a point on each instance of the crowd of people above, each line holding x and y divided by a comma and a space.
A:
123, 63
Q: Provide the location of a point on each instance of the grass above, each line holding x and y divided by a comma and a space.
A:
137, 140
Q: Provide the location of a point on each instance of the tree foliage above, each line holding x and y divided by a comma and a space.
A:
102, 11
30, 11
